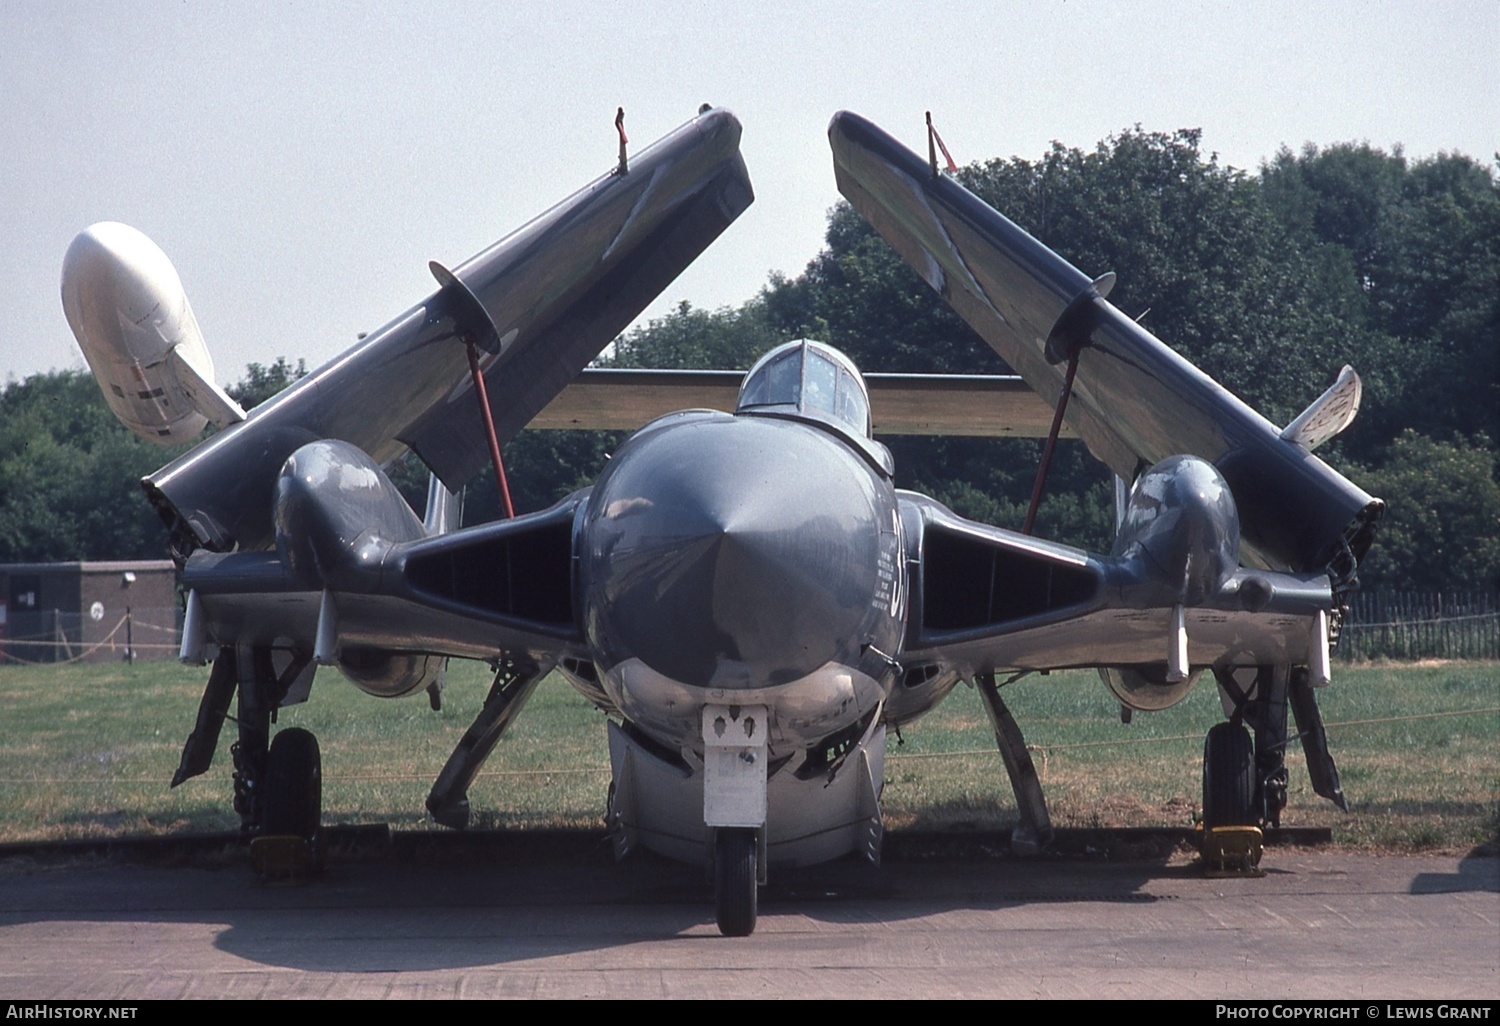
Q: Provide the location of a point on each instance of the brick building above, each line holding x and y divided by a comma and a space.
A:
88, 611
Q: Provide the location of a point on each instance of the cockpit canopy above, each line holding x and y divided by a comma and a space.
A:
810, 381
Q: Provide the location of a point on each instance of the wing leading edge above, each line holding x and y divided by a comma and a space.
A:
1135, 401
542, 303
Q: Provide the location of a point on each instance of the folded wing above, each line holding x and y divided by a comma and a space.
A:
1135, 401
541, 304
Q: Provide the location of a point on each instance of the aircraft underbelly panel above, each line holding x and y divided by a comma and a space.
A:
289, 620
1127, 637
658, 804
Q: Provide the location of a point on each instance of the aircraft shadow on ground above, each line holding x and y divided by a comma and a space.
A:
1479, 871
446, 901
507, 913
449, 901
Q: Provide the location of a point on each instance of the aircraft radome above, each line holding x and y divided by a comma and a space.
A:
746, 594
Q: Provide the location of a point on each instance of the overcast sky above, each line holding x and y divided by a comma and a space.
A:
301, 162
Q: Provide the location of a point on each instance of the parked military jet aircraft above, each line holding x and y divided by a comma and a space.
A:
747, 595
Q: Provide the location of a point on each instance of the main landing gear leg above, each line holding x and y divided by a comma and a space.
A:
1320, 768
1034, 831
213, 710
516, 676
1244, 784
1269, 724
278, 784
1231, 819
256, 703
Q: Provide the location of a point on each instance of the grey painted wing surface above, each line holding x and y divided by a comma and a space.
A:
1135, 400
550, 296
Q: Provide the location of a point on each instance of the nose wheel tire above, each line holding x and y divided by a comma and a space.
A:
1228, 778
294, 786
735, 852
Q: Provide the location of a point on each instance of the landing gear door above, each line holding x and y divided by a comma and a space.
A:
734, 765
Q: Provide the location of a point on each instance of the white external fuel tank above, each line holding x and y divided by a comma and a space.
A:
127, 308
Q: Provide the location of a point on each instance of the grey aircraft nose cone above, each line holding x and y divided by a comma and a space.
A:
737, 550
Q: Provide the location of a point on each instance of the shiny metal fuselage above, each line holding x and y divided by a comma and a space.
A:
753, 560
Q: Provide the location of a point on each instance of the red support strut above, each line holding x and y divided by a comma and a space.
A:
1057, 419
624, 166
489, 429
933, 137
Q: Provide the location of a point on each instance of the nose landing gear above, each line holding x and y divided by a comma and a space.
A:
734, 805
735, 879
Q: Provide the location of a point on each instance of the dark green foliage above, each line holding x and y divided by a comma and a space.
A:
541, 467
1442, 524
261, 382
861, 297
1194, 244
1413, 252
70, 473
693, 339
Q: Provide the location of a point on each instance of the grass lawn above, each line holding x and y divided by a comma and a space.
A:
87, 751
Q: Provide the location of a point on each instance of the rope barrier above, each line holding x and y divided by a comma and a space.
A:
969, 752
108, 639
1043, 750
1355, 625
9, 643
360, 777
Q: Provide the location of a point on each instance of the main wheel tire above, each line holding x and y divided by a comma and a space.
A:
735, 875
294, 785
1228, 778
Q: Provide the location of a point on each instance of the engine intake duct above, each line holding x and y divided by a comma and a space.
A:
985, 584
517, 569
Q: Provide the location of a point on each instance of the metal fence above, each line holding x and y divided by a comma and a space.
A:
50, 636
1421, 625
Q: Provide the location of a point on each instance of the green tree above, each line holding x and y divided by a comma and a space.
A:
1268, 281
689, 338
1198, 253
70, 473
1414, 251
1191, 240
1442, 523
262, 381
861, 297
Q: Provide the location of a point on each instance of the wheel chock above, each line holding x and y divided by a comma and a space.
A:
283, 860
1232, 851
